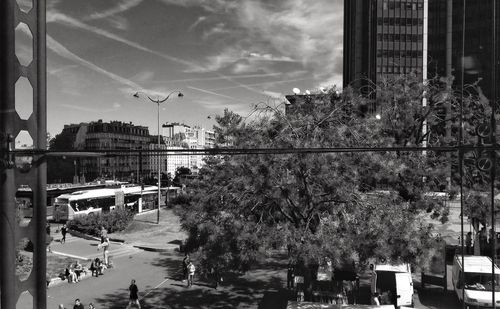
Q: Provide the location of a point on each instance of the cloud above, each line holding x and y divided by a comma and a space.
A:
233, 77
62, 69
212, 6
66, 20
240, 61
62, 51
310, 32
117, 22
272, 94
192, 66
91, 110
197, 22
269, 57
143, 76
218, 29
122, 6
268, 84
211, 92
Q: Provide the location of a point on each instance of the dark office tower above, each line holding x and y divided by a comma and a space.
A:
446, 33
383, 38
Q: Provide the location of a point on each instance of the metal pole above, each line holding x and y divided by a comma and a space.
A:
8, 222
493, 142
40, 213
461, 155
159, 166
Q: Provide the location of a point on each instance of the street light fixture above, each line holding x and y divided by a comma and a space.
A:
158, 101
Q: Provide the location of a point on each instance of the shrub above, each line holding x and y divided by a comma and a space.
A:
114, 221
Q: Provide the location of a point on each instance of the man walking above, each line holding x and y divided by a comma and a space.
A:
134, 297
64, 230
191, 269
49, 239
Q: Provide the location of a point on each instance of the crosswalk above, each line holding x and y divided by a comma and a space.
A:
116, 249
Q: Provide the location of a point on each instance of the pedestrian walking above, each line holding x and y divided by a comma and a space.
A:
78, 304
49, 239
191, 269
290, 276
216, 276
134, 297
91, 306
105, 250
468, 243
483, 240
64, 230
104, 234
185, 263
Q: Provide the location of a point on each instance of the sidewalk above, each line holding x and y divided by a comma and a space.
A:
145, 234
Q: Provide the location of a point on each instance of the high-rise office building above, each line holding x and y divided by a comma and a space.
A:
383, 38
461, 33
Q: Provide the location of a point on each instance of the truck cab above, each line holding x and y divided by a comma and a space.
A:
473, 278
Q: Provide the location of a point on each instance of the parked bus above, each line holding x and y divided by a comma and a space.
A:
91, 202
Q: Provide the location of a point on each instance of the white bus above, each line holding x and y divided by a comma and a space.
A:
91, 202
477, 276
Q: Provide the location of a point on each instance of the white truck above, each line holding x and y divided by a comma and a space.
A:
475, 275
393, 282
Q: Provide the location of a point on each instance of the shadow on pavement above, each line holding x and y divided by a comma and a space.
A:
259, 288
435, 297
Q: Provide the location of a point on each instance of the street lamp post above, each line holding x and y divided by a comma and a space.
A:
158, 102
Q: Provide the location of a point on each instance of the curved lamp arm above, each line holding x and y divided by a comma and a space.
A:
158, 101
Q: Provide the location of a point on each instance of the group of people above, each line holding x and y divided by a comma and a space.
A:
482, 244
73, 272
133, 299
188, 271
98, 266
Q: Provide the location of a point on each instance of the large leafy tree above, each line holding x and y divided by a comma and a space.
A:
345, 206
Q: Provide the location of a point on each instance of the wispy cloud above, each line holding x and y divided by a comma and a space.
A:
122, 6
273, 94
239, 60
64, 19
110, 14
309, 32
115, 107
197, 22
62, 69
211, 92
62, 51
219, 28
268, 84
144, 76
219, 78
67, 20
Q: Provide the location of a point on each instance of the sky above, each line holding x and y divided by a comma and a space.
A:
219, 53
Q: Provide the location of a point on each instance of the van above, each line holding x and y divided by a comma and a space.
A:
394, 282
477, 274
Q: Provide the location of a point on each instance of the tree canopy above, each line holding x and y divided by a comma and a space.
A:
363, 202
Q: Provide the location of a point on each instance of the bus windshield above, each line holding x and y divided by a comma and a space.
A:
481, 282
